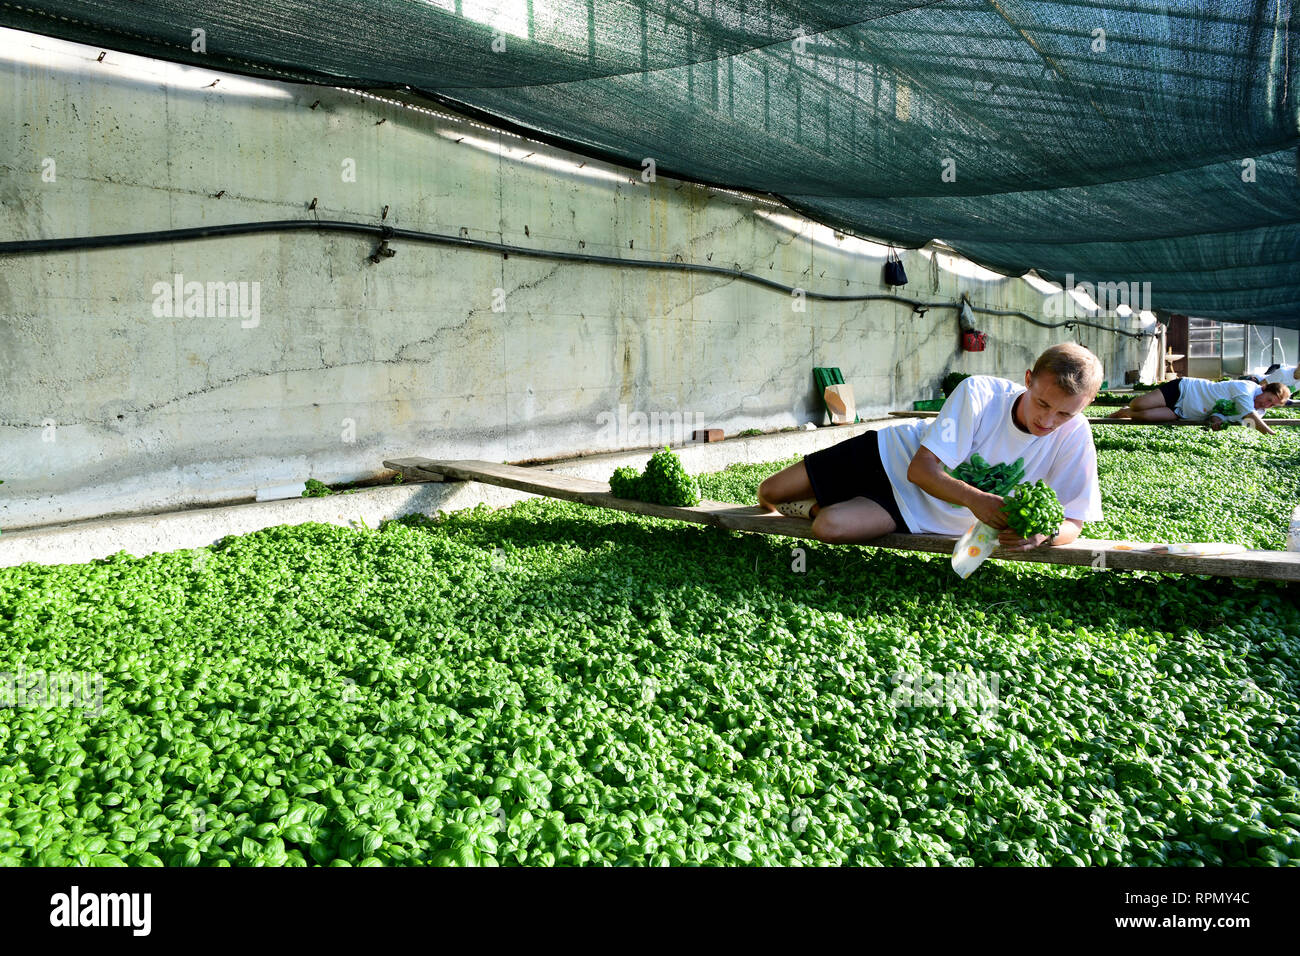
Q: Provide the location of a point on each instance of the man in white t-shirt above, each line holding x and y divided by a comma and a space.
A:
1197, 400
897, 478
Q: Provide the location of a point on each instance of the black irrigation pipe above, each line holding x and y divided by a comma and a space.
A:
384, 233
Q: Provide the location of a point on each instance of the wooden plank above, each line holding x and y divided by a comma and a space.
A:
1084, 552
511, 476
1097, 552
410, 468
1270, 422
549, 484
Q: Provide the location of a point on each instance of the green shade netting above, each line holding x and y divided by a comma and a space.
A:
1102, 140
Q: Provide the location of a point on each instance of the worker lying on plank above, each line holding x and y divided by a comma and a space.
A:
1288, 375
1200, 400
898, 478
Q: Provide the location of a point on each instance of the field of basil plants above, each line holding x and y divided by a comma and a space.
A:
556, 684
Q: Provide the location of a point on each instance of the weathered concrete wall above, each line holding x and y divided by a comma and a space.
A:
108, 407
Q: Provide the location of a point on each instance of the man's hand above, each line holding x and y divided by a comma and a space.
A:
1214, 423
988, 508
1257, 421
1066, 534
1011, 541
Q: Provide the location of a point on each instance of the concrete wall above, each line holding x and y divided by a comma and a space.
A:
107, 407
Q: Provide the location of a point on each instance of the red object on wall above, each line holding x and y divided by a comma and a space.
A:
973, 341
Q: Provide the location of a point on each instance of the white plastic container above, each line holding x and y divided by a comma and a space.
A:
1293, 535
276, 492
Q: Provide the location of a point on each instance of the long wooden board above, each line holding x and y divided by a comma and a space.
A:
1098, 553
1284, 422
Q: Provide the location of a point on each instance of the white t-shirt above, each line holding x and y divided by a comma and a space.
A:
1284, 374
1196, 398
976, 419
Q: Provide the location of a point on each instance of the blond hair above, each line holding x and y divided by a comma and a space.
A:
1278, 389
1076, 370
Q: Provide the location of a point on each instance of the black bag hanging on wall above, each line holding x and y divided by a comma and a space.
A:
895, 274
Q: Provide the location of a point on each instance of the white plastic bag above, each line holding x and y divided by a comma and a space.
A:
966, 317
973, 549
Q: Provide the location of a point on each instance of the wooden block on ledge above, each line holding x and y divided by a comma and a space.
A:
707, 434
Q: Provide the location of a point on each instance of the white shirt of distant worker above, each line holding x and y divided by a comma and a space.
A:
897, 478
1288, 375
1197, 400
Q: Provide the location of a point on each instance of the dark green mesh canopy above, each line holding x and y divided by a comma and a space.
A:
1134, 141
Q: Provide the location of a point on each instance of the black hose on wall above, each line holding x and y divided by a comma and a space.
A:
76, 243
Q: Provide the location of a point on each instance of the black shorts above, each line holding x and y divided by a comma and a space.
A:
853, 469
1171, 391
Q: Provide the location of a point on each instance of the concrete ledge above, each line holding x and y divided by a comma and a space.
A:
83, 541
